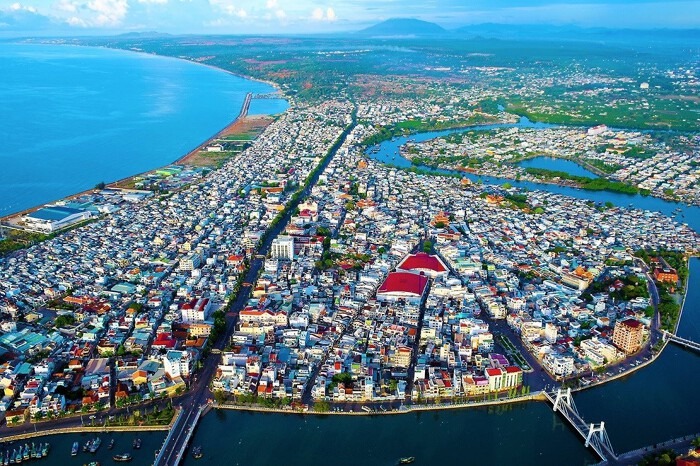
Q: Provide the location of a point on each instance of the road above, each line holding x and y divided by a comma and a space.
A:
199, 393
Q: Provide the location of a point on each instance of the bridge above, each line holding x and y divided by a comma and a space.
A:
668, 336
594, 434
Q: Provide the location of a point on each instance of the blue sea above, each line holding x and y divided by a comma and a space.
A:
72, 117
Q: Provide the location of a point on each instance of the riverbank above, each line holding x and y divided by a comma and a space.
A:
405, 409
93, 429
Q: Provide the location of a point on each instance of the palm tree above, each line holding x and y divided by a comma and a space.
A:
696, 442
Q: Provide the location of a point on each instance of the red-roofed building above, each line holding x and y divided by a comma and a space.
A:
422, 262
403, 285
164, 340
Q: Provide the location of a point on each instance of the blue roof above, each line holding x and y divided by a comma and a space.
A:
54, 213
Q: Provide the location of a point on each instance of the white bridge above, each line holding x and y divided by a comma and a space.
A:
667, 336
594, 434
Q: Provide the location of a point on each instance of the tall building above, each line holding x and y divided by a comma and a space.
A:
628, 335
282, 247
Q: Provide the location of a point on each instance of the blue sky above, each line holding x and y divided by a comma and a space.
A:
77, 17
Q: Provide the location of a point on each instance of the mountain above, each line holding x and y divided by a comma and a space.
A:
403, 27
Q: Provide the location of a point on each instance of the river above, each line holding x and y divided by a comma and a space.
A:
388, 152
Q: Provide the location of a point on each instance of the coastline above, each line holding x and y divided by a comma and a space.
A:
181, 159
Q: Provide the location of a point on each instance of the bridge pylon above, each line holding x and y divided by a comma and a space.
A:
562, 397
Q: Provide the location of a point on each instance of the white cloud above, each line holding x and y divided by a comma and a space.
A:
227, 7
19, 7
160, 2
271, 4
106, 12
67, 5
319, 15
280, 14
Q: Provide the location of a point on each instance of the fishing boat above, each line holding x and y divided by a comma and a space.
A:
137, 443
18, 456
407, 460
95, 445
25, 453
45, 450
87, 446
122, 457
74, 450
93, 463
111, 444
197, 452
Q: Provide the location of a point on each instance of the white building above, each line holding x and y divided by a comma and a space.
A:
283, 247
177, 363
52, 218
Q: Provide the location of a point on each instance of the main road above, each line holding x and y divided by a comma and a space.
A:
199, 392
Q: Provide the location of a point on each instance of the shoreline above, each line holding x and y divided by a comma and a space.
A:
654, 357
537, 396
97, 429
180, 159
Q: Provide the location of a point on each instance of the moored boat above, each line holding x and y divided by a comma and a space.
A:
74, 450
111, 444
197, 452
137, 443
407, 460
95, 445
122, 457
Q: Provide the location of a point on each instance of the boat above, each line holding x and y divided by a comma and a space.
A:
74, 450
93, 463
407, 460
95, 445
25, 452
197, 452
137, 443
111, 444
122, 457
87, 446
45, 450
18, 456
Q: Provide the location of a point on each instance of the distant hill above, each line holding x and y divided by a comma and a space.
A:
403, 27
571, 33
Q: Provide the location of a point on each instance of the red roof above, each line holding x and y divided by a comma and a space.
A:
422, 261
493, 372
404, 282
513, 369
632, 323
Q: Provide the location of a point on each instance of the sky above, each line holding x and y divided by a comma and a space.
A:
87, 17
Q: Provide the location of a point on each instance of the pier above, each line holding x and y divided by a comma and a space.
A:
594, 435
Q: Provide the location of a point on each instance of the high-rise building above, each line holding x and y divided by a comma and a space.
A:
628, 335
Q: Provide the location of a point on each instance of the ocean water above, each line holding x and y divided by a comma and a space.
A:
72, 117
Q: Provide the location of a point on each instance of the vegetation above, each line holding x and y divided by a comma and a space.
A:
64, 320
662, 458
592, 184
